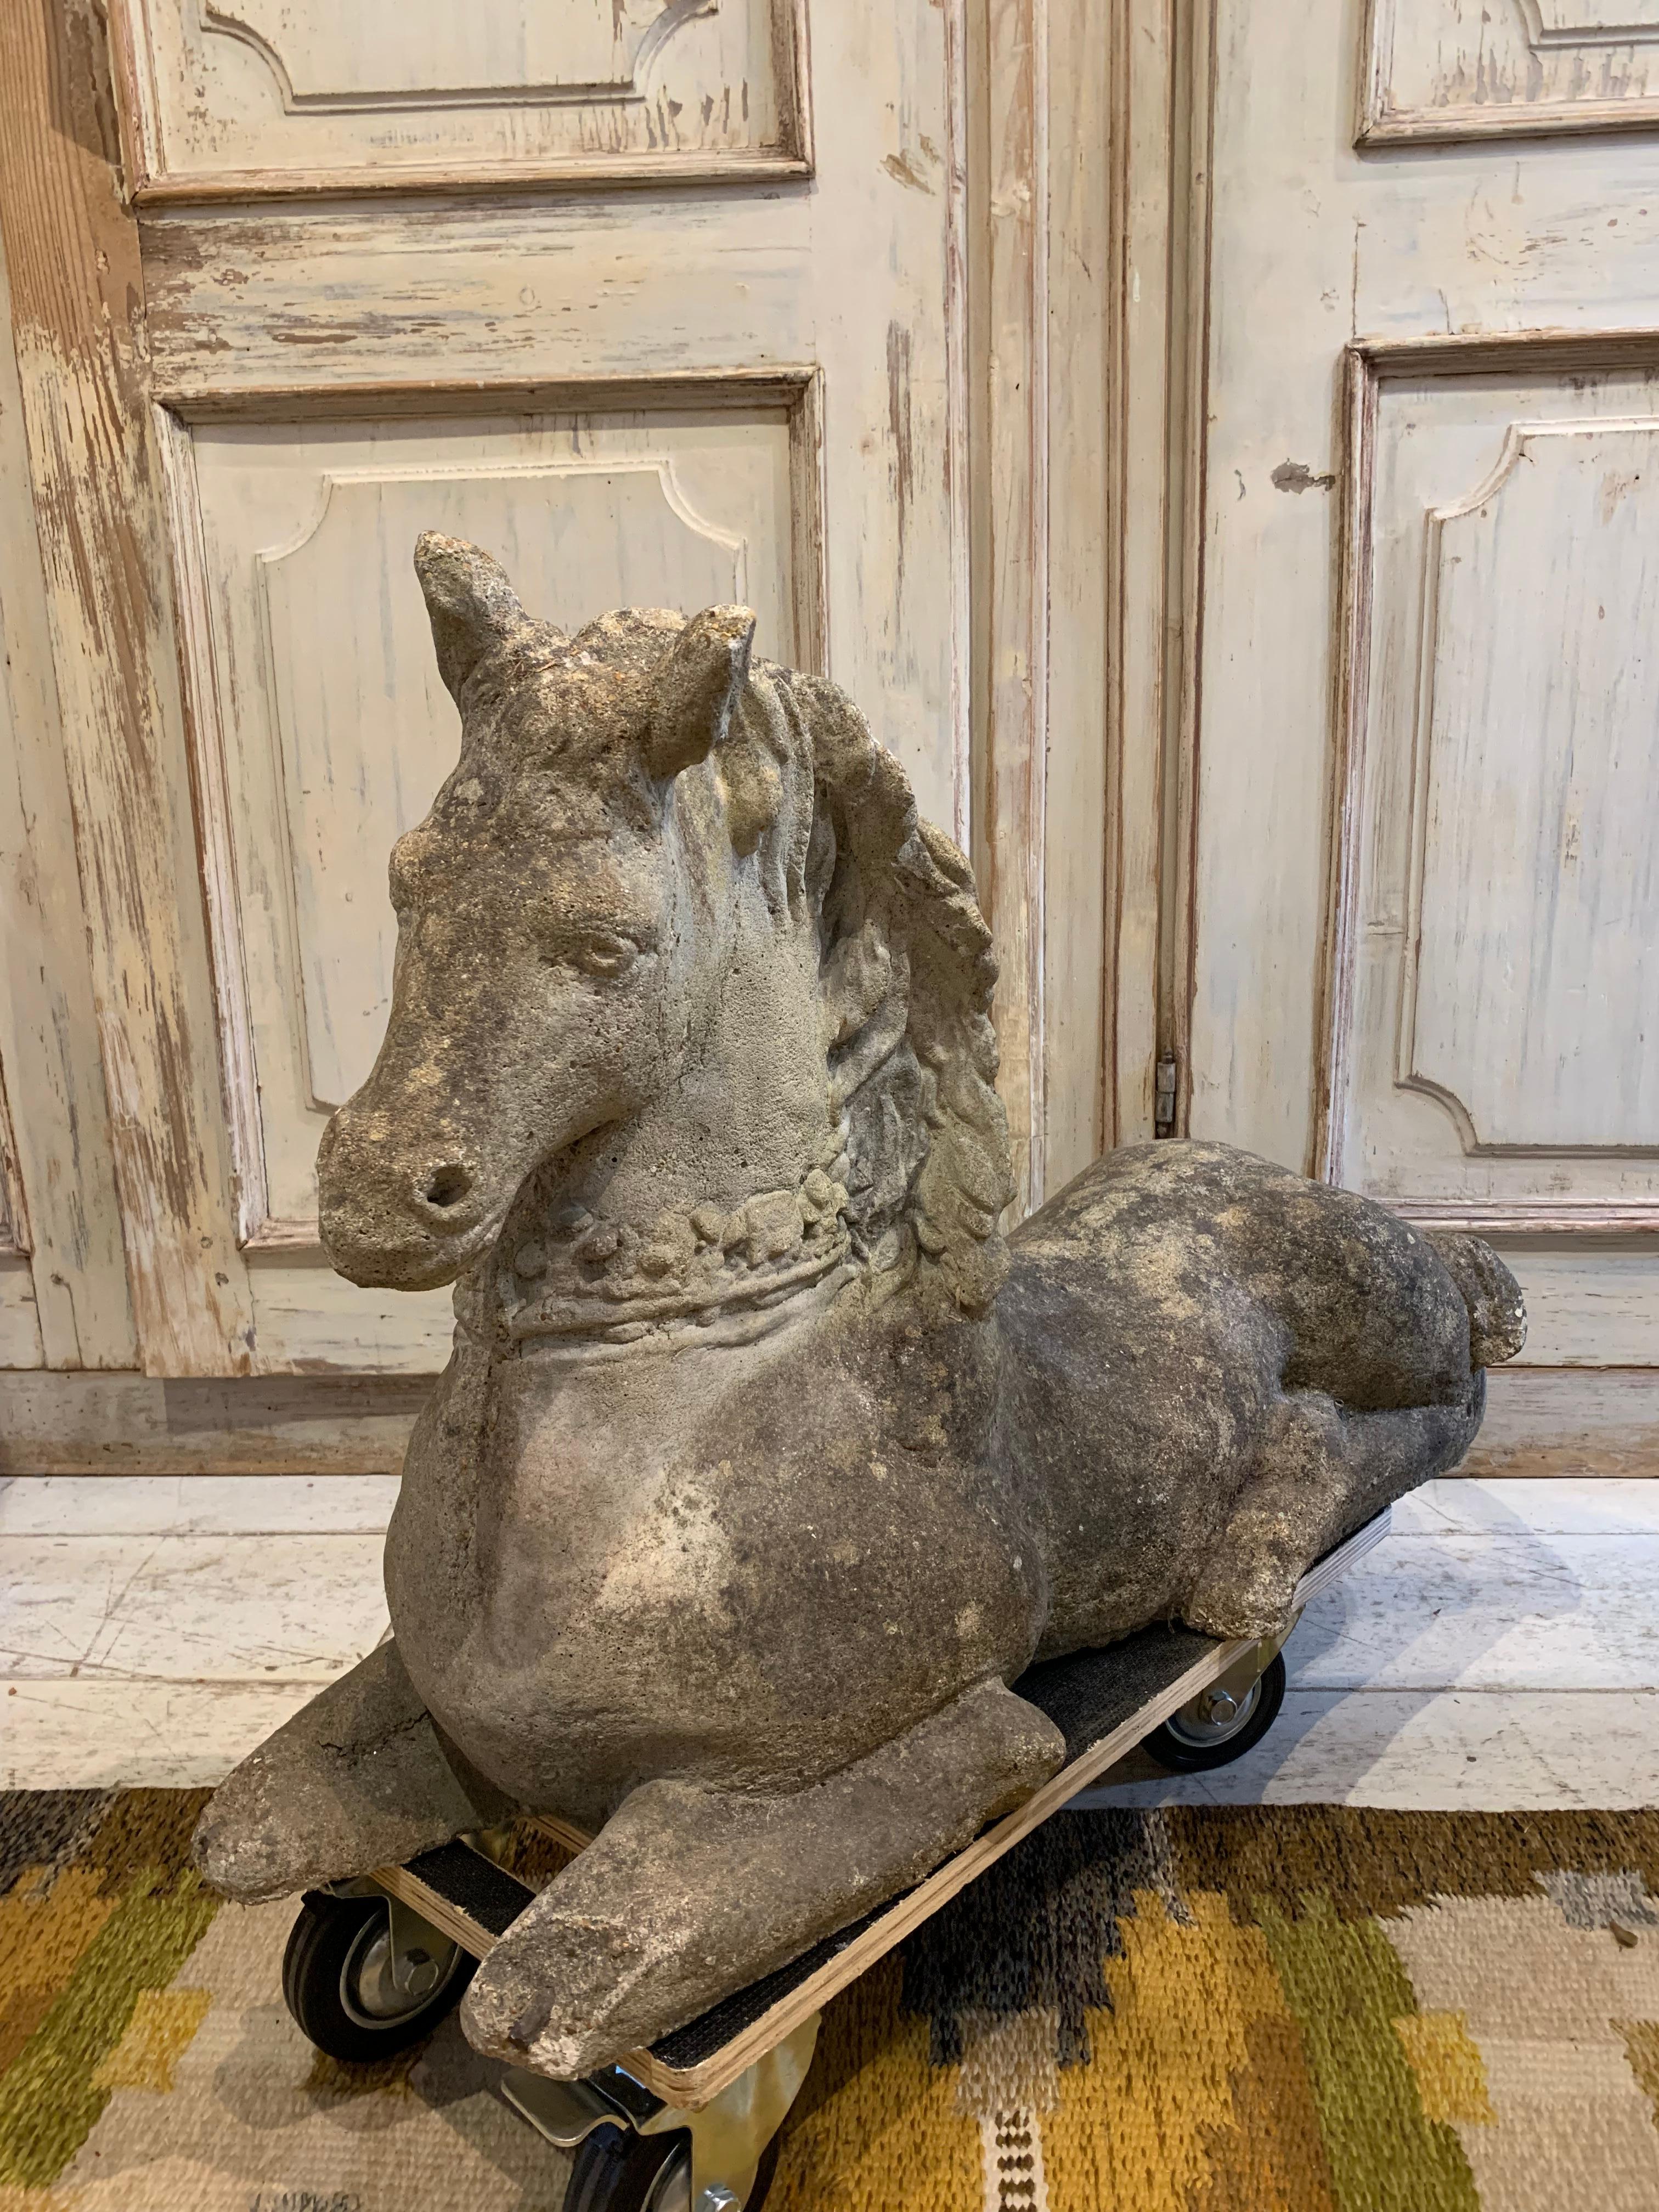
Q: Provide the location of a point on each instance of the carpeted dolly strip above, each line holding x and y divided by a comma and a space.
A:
1231, 2010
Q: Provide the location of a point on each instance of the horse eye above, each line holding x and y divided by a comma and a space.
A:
605, 954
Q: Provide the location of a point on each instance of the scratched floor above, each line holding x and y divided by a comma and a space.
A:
1501, 1649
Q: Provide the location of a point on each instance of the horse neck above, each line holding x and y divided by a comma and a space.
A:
720, 1192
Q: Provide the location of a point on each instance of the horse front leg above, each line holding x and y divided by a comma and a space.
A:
358, 1778
690, 1892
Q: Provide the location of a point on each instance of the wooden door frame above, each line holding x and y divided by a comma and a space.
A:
78, 291
1092, 220
1060, 802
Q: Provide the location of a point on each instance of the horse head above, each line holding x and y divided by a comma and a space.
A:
674, 910
560, 915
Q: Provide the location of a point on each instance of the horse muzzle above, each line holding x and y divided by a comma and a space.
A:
398, 1217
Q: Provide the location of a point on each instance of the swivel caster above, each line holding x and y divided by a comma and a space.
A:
635, 2153
1221, 1723
365, 1977
618, 2171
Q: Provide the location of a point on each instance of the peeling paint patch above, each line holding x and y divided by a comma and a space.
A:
897, 166
1297, 475
899, 349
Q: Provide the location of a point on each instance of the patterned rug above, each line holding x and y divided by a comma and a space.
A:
1295, 2010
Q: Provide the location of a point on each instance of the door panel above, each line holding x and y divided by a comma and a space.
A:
323, 730
262, 98
1532, 899
1506, 898
1500, 69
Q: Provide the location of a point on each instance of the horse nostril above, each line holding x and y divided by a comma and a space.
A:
449, 1184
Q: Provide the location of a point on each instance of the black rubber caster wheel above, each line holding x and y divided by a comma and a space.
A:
1215, 1730
616, 2171
339, 1982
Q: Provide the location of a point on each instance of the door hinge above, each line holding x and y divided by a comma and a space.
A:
1163, 1097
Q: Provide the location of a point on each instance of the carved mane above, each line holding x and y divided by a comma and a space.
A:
927, 1137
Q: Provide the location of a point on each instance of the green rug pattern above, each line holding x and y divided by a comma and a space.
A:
1228, 2009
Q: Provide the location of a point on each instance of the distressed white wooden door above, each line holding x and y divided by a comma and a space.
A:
660, 303
1427, 856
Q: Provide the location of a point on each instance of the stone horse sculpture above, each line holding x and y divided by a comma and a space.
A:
763, 1462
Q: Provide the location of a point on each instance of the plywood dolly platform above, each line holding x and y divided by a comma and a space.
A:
691, 2125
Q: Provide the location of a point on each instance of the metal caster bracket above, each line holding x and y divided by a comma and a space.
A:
728, 2135
417, 1947
1235, 1686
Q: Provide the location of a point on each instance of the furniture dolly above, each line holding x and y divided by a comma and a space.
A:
691, 2124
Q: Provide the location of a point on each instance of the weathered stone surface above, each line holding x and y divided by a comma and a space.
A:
359, 1778
1218, 1372
582, 1975
763, 1461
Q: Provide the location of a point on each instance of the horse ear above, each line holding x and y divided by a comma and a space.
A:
472, 606
696, 687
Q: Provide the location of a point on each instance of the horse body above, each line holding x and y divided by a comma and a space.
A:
727, 1561
764, 1463
756, 1563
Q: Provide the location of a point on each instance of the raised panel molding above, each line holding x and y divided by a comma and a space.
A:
1499, 69
363, 57
1534, 902
316, 746
256, 98
1590, 23
1493, 876
360, 767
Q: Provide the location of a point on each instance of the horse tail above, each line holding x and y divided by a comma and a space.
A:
1497, 1314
